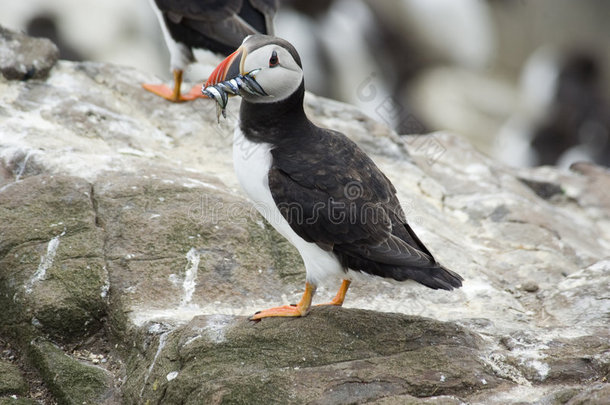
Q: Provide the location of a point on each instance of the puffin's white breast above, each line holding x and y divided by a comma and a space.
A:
252, 162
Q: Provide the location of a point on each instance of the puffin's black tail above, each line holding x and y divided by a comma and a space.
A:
436, 277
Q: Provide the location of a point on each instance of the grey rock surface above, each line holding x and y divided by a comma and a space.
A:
360, 356
52, 259
23, 57
125, 239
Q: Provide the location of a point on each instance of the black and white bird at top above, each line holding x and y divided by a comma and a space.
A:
216, 25
316, 187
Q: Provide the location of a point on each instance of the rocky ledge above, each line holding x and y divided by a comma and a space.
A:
130, 260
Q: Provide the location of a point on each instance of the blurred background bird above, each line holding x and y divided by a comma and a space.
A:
527, 82
218, 26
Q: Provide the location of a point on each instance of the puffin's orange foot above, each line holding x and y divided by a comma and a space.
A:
171, 95
285, 310
299, 309
167, 93
163, 91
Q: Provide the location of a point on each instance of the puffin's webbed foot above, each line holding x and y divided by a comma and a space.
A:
174, 94
285, 310
162, 90
299, 309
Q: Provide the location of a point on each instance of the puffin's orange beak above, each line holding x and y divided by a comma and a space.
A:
229, 68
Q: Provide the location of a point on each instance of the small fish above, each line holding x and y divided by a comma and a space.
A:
220, 91
220, 97
253, 87
230, 86
239, 81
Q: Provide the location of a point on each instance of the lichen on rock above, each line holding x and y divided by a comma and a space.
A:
71, 381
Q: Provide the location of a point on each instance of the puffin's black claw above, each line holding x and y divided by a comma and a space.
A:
252, 317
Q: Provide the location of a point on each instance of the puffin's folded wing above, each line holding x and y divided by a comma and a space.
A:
230, 31
363, 229
392, 251
360, 224
203, 10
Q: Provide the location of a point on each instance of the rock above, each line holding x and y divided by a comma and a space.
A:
580, 297
126, 238
230, 360
410, 400
560, 360
17, 401
11, 380
202, 243
23, 57
71, 381
52, 260
543, 189
597, 394
530, 286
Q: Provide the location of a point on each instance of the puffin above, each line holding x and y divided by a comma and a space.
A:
315, 186
219, 26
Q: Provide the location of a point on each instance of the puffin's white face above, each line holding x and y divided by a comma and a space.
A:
276, 65
279, 75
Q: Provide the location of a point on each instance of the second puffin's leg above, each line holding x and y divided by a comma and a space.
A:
177, 84
340, 297
299, 309
164, 91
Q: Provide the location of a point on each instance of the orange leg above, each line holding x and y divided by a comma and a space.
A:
340, 297
174, 94
290, 310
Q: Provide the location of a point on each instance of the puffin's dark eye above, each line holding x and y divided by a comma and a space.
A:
273, 60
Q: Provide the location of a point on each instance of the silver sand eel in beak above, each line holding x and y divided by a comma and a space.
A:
219, 89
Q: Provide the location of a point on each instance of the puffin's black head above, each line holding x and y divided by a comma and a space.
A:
280, 73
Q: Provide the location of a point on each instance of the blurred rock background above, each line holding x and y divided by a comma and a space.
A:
528, 82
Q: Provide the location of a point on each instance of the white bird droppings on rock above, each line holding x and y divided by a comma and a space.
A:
190, 276
215, 327
46, 261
